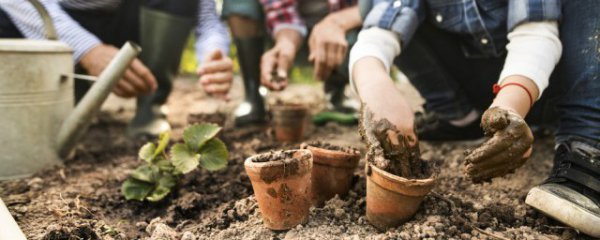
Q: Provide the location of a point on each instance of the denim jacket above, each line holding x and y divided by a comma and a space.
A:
482, 25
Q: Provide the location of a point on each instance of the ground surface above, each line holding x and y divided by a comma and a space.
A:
83, 199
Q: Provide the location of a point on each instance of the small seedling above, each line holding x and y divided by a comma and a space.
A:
154, 179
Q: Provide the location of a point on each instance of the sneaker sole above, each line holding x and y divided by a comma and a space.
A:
564, 211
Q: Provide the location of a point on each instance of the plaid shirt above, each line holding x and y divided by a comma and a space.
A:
482, 25
284, 13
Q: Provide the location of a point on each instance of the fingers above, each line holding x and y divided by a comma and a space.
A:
124, 89
488, 149
211, 66
501, 160
217, 83
214, 55
274, 67
143, 73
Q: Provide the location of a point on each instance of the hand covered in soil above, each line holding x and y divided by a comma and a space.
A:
137, 79
328, 47
388, 148
277, 62
216, 74
507, 149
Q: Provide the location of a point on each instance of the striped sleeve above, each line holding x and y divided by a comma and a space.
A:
27, 20
211, 34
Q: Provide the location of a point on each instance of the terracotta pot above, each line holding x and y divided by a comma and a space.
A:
332, 172
282, 188
289, 122
393, 200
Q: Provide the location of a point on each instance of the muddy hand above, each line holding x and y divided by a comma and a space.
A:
388, 149
507, 149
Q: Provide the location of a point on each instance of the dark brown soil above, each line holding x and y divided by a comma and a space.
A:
273, 156
83, 201
330, 146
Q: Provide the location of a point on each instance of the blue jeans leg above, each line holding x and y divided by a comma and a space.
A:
579, 71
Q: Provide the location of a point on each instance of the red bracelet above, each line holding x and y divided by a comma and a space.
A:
496, 89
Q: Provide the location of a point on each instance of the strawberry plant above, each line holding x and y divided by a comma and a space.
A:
160, 172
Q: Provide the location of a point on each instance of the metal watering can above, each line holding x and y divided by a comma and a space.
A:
38, 123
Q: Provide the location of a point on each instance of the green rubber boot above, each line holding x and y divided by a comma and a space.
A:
252, 109
163, 37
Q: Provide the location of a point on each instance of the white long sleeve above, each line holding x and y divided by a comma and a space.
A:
374, 42
533, 52
28, 21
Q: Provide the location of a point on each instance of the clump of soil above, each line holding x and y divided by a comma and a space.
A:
391, 151
216, 118
329, 146
273, 156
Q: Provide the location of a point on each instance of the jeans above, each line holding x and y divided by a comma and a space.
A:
453, 84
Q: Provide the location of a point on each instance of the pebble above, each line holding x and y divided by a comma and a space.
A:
465, 236
141, 225
188, 236
163, 232
339, 213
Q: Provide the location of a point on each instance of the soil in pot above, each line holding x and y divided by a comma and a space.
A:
333, 170
281, 183
397, 178
289, 121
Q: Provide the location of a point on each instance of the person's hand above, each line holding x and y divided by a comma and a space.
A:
507, 149
216, 74
328, 47
275, 65
387, 120
136, 80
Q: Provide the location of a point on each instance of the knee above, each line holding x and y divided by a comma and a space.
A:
243, 27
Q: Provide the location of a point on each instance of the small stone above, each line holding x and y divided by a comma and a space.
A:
163, 232
465, 236
141, 225
339, 213
188, 236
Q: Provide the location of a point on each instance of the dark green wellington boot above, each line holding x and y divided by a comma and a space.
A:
163, 37
252, 109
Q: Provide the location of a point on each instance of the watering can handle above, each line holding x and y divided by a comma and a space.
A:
48, 24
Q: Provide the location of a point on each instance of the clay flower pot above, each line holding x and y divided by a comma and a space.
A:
281, 183
393, 200
333, 169
289, 121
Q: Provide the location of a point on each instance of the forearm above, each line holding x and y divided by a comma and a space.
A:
27, 20
211, 34
290, 38
347, 19
514, 97
370, 74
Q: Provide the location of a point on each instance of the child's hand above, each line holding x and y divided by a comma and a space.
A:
277, 62
328, 47
507, 150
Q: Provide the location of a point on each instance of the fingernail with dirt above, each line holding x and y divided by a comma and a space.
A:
333, 170
282, 184
397, 178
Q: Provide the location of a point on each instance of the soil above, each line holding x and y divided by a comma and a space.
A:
273, 156
82, 199
330, 146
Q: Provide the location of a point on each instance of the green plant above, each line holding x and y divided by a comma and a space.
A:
160, 172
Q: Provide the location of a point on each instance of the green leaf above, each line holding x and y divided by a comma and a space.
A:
147, 152
163, 164
163, 141
163, 188
135, 189
214, 155
183, 158
146, 173
197, 135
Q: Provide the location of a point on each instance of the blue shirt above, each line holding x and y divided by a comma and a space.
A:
482, 25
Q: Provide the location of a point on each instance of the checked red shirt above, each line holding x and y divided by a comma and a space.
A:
284, 13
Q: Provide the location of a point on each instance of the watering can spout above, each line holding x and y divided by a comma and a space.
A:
76, 123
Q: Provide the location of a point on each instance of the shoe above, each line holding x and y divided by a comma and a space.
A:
571, 194
162, 37
252, 110
430, 127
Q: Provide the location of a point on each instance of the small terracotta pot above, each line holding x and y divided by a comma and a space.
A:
282, 188
393, 200
332, 172
289, 122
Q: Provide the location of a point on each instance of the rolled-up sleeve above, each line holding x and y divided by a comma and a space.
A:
283, 14
28, 21
211, 33
400, 16
520, 11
